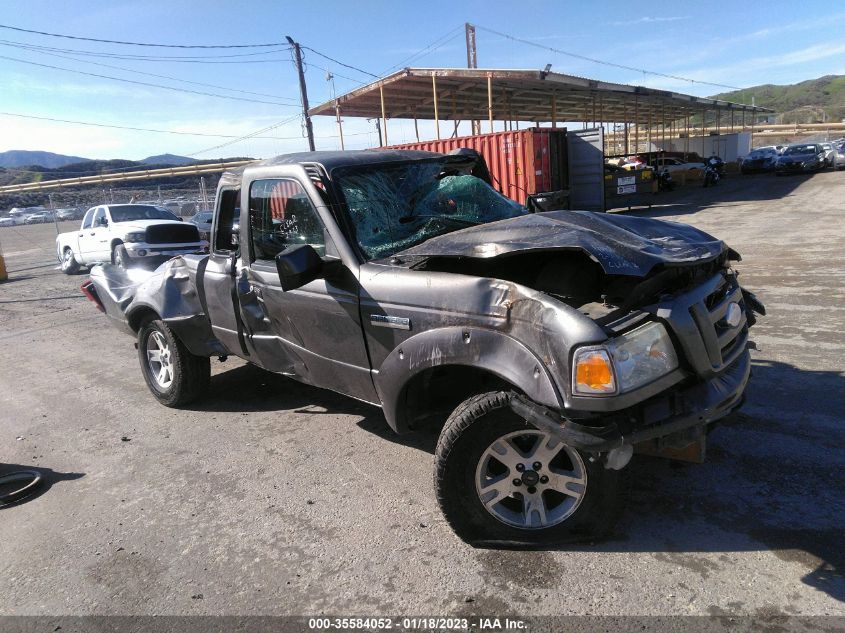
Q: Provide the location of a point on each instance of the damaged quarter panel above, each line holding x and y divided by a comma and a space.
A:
169, 292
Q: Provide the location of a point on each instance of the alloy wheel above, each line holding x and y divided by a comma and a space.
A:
530, 479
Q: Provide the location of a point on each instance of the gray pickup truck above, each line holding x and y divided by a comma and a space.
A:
551, 342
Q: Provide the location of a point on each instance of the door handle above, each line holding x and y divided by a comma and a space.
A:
92, 233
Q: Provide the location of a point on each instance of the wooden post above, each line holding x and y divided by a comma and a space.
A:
636, 125
436, 116
554, 109
490, 100
416, 127
627, 147
383, 114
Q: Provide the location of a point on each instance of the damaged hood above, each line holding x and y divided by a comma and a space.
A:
622, 245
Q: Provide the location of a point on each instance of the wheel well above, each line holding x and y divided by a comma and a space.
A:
115, 242
137, 318
431, 395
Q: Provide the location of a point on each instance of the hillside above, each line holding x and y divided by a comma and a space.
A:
24, 158
809, 101
71, 196
168, 159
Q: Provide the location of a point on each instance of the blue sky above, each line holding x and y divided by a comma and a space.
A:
738, 44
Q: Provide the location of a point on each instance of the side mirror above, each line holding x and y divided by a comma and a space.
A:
298, 265
104, 221
236, 234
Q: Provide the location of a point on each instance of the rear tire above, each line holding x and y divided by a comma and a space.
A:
174, 375
69, 264
578, 500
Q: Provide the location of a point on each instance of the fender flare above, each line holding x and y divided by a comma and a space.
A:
194, 330
488, 350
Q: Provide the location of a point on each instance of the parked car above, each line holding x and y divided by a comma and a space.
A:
800, 158
840, 156
39, 217
760, 159
829, 155
127, 235
676, 165
70, 214
203, 223
549, 342
13, 218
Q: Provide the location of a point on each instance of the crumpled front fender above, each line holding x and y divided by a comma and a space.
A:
487, 350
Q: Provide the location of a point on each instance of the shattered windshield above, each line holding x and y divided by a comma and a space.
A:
396, 206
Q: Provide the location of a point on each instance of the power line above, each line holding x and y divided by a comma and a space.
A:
93, 39
204, 59
251, 135
604, 62
144, 83
334, 73
140, 72
434, 45
332, 59
135, 129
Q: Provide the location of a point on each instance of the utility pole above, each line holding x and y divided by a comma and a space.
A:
378, 129
472, 62
309, 130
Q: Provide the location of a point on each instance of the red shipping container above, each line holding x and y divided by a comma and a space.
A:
521, 162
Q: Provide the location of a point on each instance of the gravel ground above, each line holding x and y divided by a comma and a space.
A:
271, 497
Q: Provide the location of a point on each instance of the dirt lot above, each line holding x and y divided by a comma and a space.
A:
275, 498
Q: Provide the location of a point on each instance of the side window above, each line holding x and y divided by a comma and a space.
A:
98, 216
88, 220
227, 216
281, 215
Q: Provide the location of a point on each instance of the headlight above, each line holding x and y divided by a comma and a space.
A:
632, 360
135, 237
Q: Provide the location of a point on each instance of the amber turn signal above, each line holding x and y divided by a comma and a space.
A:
593, 372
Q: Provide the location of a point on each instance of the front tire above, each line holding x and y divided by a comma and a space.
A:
174, 375
69, 264
501, 481
119, 256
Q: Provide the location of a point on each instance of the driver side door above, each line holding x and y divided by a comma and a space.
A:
90, 240
314, 332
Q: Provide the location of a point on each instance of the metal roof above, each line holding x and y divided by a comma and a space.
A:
524, 95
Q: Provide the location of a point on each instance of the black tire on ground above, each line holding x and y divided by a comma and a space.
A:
119, 256
471, 430
185, 376
69, 264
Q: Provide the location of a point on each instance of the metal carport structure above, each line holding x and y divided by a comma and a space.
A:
539, 96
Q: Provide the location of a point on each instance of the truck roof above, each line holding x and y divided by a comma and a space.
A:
331, 160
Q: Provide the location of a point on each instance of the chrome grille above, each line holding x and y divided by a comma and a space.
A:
723, 342
172, 233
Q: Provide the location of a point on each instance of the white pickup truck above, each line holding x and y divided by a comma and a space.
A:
126, 235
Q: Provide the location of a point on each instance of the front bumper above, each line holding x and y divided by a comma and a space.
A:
144, 251
698, 404
795, 168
